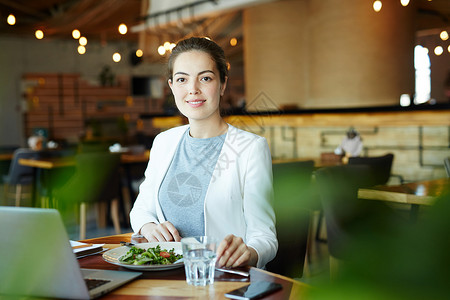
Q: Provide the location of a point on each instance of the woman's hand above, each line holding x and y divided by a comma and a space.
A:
163, 232
233, 252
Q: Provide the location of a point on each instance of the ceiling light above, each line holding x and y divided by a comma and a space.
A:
443, 35
448, 48
83, 41
123, 28
81, 49
172, 45
116, 57
404, 2
39, 34
76, 34
139, 53
167, 46
233, 42
11, 19
161, 50
377, 5
438, 50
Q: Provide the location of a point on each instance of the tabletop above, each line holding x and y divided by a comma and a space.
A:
419, 193
47, 163
58, 162
6, 156
171, 284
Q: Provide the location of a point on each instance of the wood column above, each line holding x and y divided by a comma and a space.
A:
329, 53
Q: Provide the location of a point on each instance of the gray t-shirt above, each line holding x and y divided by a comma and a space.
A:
183, 190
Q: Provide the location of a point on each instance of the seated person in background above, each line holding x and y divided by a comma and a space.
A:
36, 142
350, 146
208, 177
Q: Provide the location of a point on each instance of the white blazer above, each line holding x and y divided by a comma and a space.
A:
239, 197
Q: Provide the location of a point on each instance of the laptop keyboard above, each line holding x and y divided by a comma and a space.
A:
93, 283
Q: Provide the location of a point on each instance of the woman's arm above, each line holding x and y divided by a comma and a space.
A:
257, 194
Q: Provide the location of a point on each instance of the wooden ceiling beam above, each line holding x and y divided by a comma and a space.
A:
24, 8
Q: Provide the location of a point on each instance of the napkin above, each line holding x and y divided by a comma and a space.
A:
83, 249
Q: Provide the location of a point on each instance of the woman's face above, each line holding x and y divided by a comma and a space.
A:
196, 85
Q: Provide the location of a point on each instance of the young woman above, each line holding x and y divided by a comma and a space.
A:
208, 177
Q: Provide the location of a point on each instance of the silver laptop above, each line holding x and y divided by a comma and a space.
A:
36, 259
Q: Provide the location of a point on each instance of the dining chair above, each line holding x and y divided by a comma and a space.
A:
380, 166
447, 165
19, 176
292, 205
96, 181
349, 220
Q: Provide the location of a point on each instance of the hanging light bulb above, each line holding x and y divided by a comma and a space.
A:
438, 50
39, 34
377, 5
83, 41
81, 49
172, 45
443, 35
76, 34
161, 50
404, 2
123, 29
116, 57
139, 53
11, 19
167, 46
233, 42
448, 48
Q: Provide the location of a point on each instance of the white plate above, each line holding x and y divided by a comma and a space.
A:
112, 256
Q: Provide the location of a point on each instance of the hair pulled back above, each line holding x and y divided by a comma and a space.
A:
200, 44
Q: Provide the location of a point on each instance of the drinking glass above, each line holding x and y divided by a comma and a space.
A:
199, 254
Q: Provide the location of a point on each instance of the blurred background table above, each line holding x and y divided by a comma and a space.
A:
414, 193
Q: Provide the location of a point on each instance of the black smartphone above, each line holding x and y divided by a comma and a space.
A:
254, 290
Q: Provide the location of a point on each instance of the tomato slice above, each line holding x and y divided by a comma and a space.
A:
164, 254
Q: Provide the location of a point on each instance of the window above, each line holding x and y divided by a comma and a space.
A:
423, 75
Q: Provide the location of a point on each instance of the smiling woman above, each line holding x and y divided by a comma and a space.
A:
208, 177
197, 89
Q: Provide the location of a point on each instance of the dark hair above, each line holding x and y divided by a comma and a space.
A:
200, 44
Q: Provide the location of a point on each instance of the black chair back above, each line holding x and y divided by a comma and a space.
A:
19, 174
346, 215
380, 166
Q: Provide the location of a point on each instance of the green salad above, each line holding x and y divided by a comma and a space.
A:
151, 256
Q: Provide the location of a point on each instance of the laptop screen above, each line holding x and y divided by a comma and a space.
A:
36, 257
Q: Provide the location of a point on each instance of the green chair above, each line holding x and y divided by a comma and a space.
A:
293, 206
96, 181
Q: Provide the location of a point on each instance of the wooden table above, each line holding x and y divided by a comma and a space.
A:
414, 193
318, 163
172, 284
42, 169
6, 156
45, 165
421, 192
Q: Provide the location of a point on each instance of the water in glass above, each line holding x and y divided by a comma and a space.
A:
199, 265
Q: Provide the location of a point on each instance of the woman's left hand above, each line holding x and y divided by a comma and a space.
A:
233, 252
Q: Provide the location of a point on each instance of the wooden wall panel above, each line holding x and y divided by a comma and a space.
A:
65, 105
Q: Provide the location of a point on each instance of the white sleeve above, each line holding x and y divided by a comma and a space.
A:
144, 208
258, 199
